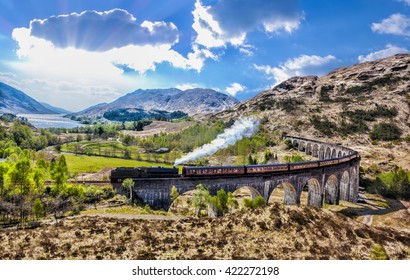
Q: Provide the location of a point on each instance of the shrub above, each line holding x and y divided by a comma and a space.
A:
257, 203
385, 131
323, 125
378, 253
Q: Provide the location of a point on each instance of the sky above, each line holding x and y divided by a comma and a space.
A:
74, 53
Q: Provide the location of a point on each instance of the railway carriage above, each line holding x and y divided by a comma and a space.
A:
303, 165
266, 168
191, 171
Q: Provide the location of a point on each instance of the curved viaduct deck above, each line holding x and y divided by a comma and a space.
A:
331, 183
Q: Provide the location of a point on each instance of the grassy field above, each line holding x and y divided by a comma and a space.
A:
86, 164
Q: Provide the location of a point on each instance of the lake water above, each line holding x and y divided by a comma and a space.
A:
50, 120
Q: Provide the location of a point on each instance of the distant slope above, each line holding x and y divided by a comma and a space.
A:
191, 101
55, 109
17, 102
343, 106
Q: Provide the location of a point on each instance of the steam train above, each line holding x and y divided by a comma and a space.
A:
121, 173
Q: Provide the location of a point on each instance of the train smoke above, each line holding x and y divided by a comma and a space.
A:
243, 127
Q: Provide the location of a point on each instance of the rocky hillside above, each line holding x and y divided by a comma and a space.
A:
58, 110
273, 232
17, 102
355, 106
192, 101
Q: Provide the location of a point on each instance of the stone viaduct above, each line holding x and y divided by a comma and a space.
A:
334, 177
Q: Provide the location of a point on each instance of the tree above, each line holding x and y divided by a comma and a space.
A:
38, 208
201, 198
60, 174
223, 200
127, 185
174, 193
232, 202
400, 182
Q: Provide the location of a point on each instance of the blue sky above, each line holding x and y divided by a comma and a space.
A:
75, 53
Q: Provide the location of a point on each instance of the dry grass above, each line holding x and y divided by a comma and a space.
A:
273, 232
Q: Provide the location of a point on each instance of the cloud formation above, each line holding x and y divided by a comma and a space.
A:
405, 1
299, 66
388, 51
396, 24
234, 88
102, 31
229, 21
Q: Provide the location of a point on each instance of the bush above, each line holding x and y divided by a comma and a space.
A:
257, 203
378, 253
385, 132
323, 125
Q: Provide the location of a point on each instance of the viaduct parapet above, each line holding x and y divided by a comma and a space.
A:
337, 179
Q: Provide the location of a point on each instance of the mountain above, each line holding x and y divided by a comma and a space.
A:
192, 101
55, 109
362, 106
17, 102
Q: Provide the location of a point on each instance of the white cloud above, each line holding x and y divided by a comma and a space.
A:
96, 71
229, 21
234, 88
388, 51
299, 66
405, 1
396, 24
187, 86
102, 31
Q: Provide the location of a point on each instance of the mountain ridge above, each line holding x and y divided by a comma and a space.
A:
15, 101
192, 101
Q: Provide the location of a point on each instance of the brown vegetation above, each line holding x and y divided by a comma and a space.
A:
273, 232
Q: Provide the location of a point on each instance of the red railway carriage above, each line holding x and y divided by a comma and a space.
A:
328, 162
266, 168
303, 165
193, 171
344, 159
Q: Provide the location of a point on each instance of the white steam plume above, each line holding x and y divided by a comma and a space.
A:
243, 127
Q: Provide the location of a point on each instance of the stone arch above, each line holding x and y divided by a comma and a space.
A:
322, 152
333, 153
181, 205
314, 193
302, 146
331, 190
246, 191
308, 149
328, 153
339, 154
287, 190
344, 154
315, 150
344, 186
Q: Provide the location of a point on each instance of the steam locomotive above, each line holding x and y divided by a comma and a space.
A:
121, 173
